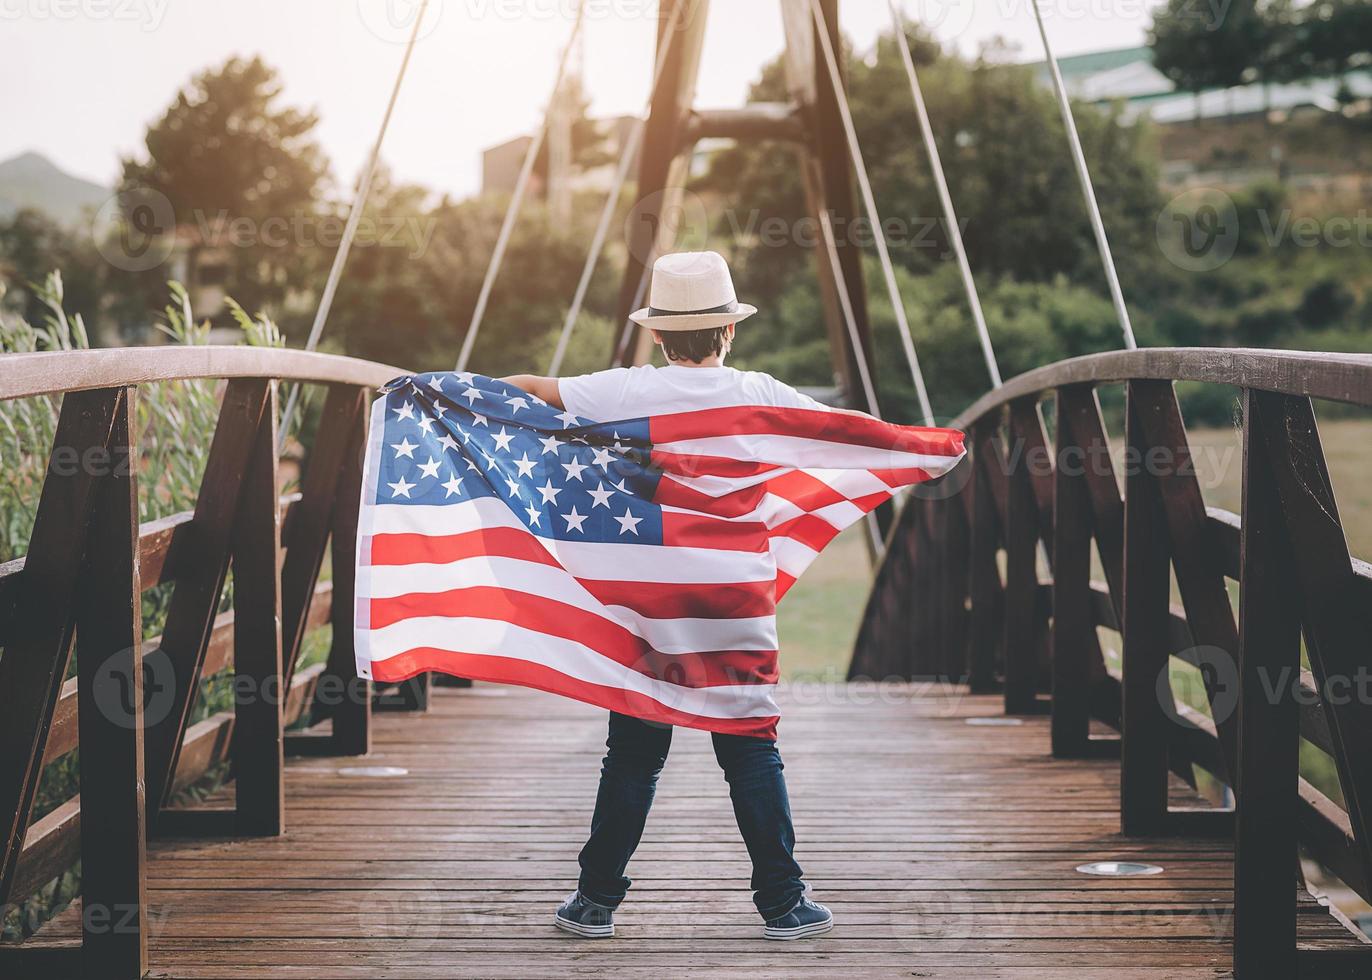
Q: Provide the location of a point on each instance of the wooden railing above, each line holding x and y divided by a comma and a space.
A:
959, 595
79, 587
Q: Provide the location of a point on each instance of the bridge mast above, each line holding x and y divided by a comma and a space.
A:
811, 122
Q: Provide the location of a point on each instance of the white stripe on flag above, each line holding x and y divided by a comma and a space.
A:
495, 638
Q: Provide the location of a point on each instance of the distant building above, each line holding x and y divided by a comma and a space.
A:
1127, 75
500, 164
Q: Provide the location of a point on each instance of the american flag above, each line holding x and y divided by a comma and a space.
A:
632, 564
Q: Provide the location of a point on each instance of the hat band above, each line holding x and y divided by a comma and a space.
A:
729, 307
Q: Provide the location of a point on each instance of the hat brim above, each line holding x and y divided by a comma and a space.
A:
691, 321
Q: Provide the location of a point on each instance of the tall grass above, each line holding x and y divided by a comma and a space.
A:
174, 424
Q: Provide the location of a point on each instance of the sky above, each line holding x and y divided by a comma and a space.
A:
81, 79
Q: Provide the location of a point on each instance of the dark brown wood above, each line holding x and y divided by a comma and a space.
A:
258, 753
350, 695
1073, 619
663, 138
1336, 623
307, 536
109, 666
195, 598
1200, 577
1267, 721
1022, 611
957, 586
462, 886
986, 587
39, 646
1143, 754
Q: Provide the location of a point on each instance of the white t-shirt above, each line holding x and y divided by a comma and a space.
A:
630, 393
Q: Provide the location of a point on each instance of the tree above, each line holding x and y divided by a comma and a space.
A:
1198, 49
224, 152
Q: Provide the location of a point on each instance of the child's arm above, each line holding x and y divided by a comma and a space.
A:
539, 387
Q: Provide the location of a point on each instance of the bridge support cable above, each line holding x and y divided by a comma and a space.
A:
875, 541
870, 204
359, 205
626, 158
945, 198
1084, 176
517, 199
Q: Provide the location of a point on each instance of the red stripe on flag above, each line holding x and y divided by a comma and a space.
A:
736, 503
706, 600
699, 464
507, 670
681, 530
603, 636
805, 423
440, 549
811, 531
805, 491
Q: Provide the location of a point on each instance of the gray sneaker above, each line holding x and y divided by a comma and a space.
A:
582, 917
806, 919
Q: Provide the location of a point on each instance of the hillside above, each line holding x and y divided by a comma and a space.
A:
31, 180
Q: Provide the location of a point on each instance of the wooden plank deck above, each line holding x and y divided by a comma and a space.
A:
944, 849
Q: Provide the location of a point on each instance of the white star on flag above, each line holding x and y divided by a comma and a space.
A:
628, 522
405, 411
534, 514
516, 403
502, 440
601, 457
430, 468
448, 442
601, 496
436, 383
425, 424
471, 394
404, 448
401, 488
550, 444
525, 465
574, 470
549, 492
567, 419
480, 420
513, 485
454, 485
574, 521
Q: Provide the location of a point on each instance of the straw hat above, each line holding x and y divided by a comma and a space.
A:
692, 291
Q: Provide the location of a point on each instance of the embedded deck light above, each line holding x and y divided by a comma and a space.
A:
375, 772
1119, 869
994, 721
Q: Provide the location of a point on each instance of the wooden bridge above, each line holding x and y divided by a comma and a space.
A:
983, 749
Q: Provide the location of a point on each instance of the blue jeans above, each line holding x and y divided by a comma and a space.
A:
752, 767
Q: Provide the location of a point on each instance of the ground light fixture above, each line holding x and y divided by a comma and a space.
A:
994, 721
1119, 869
373, 772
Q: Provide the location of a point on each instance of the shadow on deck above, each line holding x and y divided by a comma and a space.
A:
944, 849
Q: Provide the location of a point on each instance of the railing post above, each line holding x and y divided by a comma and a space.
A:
955, 596
1267, 719
109, 663
259, 687
1021, 581
195, 598
352, 713
1073, 619
1144, 735
985, 570
38, 647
